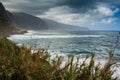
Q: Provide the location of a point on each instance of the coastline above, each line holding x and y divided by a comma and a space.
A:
21, 31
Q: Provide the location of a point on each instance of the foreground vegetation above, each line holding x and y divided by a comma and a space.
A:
18, 63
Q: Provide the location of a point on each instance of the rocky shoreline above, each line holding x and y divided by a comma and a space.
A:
22, 31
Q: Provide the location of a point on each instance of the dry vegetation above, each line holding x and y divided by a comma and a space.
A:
18, 63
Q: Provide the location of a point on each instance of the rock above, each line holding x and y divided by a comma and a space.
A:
2, 9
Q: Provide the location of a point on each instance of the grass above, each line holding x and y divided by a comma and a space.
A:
18, 63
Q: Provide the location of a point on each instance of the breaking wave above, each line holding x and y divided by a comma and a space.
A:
33, 35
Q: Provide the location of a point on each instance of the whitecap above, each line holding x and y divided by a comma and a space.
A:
28, 36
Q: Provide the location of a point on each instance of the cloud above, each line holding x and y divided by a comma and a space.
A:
36, 7
105, 11
108, 21
65, 14
33, 7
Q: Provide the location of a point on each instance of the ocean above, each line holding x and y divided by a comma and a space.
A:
76, 43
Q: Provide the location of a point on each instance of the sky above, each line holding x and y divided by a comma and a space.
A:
94, 14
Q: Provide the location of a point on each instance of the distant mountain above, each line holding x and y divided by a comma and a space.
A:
19, 22
53, 25
28, 21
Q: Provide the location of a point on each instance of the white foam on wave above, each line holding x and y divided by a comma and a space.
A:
34, 35
102, 62
37, 35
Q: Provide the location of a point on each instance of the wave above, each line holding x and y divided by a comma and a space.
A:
26, 36
102, 61
40, 34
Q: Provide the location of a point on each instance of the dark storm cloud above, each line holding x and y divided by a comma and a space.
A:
30, 6
79, 3
85, 5
39, 6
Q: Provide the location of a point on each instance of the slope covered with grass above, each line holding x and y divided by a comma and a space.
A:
18, 63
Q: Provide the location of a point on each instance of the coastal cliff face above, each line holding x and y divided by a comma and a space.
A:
6, 26
3, 15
